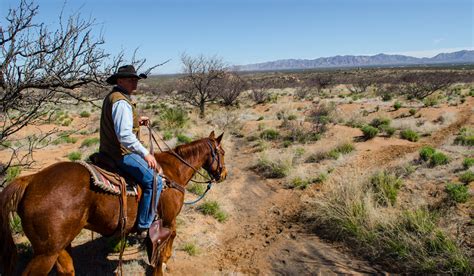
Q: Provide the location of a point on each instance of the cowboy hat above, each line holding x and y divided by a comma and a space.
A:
126, 71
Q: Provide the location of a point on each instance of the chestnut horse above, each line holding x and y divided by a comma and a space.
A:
57, 202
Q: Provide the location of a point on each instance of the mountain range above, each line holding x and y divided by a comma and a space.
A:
464, 56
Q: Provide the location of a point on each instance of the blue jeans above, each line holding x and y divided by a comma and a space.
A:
136, 167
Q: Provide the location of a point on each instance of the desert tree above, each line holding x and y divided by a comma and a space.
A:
231, 86
42, 66
201, 81
259, 90
421, 85
360, 85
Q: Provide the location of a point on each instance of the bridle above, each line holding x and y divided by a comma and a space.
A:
212, 177
215, 157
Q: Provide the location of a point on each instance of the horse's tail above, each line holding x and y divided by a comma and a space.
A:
10, 197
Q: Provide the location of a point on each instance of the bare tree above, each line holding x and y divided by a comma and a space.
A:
360, 85
260, 92
421, 85
40, 67
201, 82
231, 87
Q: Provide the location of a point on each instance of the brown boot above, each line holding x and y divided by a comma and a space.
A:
157, 236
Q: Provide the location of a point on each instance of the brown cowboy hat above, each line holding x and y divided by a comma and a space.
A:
126, 71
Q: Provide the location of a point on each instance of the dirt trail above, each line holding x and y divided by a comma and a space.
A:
264, 235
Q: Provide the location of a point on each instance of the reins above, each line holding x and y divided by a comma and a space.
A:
171, 151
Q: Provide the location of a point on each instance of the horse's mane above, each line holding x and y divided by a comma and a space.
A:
193, 149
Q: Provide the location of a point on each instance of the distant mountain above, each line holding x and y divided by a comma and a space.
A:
464, 56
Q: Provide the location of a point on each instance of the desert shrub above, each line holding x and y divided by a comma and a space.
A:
388, 130
75, 155
426, 152
369, 132
64, 138
386, 97
430, 101
291, 117
172, 118
196, 188
190, 248
457, 192
345, 148
277, 168
183, 139
466, 177
412, 111
468, 162
385, 187
303, 183
438, 158
409, 135
260, 118
465, 137
212, 208
90, 142
84, 114
167, 135
115, 244
298, 133
379, 122
397, 105
11, 173
269, 134
321, 115
407, 241
316, 157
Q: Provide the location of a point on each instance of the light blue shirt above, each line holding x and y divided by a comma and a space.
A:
122, 115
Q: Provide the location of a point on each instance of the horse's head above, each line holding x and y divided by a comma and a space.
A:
215, 164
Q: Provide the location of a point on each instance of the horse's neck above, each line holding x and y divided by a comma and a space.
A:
177, 169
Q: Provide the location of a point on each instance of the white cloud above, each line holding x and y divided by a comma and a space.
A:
437, 40
431, 53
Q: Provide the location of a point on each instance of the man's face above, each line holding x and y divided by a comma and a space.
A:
130, 84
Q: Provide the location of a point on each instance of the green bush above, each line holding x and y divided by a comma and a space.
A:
183, 139
75, 155
369, 132
213, 209
291, 117
168, 135
385, 187
90, 142
412, 111
426, 152
172, 118
386, 97
457, 192
64, 138
430, 101
269, 134
190, 248
196, 188
397, 105
465, 137
85, 114
466, 177
409, 135
379, 122
272, 168
12, 172
438, 158
345, 148
468, 162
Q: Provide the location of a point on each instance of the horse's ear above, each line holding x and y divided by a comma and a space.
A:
219, 138
212, 136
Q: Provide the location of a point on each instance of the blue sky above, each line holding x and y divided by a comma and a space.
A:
252, 31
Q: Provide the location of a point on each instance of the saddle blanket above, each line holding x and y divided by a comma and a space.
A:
108, 181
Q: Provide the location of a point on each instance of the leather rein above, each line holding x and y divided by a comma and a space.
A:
171, 184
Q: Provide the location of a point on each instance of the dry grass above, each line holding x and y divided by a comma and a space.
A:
404, 240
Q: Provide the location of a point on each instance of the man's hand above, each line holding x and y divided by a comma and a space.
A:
150, 159
144, 121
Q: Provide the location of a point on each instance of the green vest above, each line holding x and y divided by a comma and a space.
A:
109, 143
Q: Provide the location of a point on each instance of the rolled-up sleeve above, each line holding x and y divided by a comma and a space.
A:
122, 115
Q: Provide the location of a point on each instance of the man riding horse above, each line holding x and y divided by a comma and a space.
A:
119, 141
